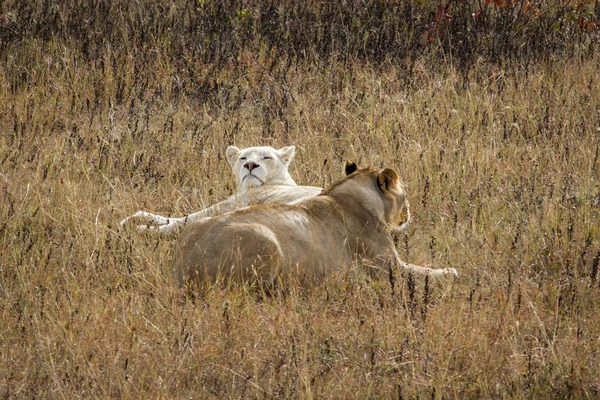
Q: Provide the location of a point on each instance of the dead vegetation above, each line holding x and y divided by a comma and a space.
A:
500, 153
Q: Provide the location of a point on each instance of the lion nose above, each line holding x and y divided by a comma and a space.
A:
251, 165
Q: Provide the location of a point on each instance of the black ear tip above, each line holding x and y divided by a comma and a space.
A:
350, 167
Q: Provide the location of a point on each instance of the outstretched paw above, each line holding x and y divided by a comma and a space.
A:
152, 220
147, 227
165, 229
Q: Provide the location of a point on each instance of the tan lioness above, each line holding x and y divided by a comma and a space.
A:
268, 243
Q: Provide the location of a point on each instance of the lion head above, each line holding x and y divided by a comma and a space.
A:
395, 203
263, 165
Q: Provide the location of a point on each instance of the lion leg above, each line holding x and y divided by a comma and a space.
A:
170, 225
257, 253
240, 253
425, 271
153, 219
173, 224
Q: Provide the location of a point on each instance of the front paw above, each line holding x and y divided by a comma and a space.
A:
144, 228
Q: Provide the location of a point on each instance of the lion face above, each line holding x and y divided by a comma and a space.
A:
397, 209
402, 217
263, 165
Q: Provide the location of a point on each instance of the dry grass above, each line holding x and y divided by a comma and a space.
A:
502, 166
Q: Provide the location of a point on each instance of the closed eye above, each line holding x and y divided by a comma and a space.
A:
267, 158
243, 158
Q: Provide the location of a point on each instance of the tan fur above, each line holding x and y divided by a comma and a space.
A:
269, 243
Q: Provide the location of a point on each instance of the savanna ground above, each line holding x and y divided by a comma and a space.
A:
489, 111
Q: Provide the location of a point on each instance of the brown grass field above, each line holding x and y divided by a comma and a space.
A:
502, 164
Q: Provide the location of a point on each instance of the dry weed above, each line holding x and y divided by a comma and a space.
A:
501, 163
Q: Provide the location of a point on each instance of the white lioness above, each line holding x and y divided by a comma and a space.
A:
269, 243
261, 175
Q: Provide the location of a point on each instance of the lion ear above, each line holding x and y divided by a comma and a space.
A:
286, 154
350, 167
232, 155
388, 179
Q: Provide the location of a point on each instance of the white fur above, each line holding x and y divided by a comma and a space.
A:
272, 166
